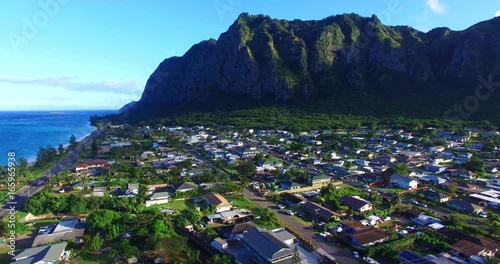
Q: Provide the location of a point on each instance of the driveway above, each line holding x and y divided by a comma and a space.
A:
342, 254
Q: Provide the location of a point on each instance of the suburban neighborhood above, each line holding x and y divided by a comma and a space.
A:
271, 196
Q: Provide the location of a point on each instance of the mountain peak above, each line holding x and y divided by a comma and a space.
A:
339, 57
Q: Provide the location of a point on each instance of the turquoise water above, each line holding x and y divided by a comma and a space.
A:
24, 132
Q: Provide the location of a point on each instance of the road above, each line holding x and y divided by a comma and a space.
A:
67, 162
342, 254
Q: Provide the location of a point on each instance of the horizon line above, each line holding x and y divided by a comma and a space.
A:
53, 110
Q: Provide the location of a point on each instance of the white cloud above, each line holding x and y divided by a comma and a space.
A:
497, 13
436, 6
71, 83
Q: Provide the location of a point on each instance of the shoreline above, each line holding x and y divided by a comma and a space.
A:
80, 125
32, 161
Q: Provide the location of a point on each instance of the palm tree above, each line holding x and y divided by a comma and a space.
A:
398, 199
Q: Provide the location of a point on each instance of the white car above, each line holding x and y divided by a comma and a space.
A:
280, 206
290, 212
369, 260
355, 254
324, 234
483, 215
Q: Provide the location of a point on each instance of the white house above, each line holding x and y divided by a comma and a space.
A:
158, 198
219, 244
404, 182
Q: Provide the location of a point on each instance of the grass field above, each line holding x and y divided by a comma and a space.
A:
179, 205
240, 202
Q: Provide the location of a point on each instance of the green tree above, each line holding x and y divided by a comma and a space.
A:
210, 234
127, 250
94, 244
218, 259
475, 165
159, 227
105, 221
72, 141
453, 187
457, 220
171, 249
399, 168
246, 168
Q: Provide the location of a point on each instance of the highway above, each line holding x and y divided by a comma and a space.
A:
65, 163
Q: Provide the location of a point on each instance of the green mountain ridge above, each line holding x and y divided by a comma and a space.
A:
341, 64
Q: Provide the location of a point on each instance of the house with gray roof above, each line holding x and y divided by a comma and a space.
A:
42, 255
404, 182
186, 186
268, 246
68, 229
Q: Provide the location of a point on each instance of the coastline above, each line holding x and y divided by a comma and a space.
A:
24, 132
31, 162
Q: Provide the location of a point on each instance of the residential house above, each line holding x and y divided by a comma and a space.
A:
158, 198
465, 187
425, 220
319, 212
186, 186
99, 191
484, 247
230, 217
54, 253
485, 200
412, 213
236, 231
132, 188
246, 152
433, 168
352, 226
218, 201
289, 185
435, 196
266, 247
465, 206
292, 200
371, 178
67, 229
361, 162
319, 180
84, 167
271, 164
368, 237
437, 149
404, 182
219, 244
432, 180
356, 203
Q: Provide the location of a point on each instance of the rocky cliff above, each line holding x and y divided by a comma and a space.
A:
337, 57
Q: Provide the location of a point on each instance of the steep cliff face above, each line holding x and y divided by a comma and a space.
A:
284, 60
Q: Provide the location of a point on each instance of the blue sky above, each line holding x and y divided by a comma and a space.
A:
90, 54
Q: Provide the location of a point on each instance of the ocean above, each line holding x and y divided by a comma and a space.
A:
24, 132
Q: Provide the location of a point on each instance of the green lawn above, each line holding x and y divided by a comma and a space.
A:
179, 205
240, 202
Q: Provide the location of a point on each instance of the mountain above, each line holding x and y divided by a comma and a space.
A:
128, 107
344, 63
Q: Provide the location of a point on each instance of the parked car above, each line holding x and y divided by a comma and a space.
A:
483, 215
290, 212
280, 206
370, 260
355, 254
324, 234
